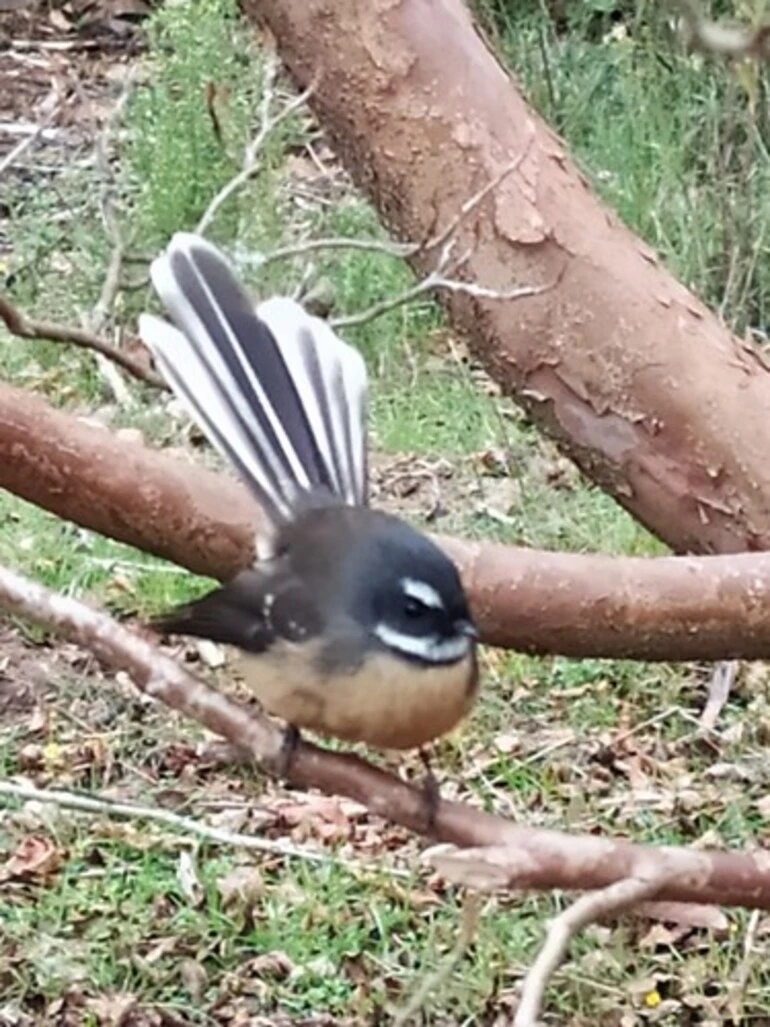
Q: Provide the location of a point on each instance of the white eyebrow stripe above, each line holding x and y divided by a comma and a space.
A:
422, 592
431, 649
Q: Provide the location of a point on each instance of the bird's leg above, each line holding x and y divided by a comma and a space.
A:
291, 739
431, 790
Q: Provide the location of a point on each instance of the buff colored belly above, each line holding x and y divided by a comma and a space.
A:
389, 705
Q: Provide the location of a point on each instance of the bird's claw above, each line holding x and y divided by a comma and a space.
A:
431, 792
291, 739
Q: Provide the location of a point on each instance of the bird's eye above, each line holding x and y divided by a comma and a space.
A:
413, 607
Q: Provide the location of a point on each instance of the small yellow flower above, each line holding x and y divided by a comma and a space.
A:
52, 752
652, 998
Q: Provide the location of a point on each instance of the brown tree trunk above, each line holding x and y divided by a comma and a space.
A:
672, 608
627, 370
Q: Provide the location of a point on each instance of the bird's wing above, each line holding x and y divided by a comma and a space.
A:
253, 611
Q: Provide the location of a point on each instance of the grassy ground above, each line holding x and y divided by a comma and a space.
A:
105, 921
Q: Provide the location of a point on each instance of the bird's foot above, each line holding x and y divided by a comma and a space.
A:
291, 739
431, 791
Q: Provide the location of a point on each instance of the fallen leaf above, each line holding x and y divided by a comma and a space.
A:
507, 742
31, 757
194, 978
111, 1010
187, 875
160, 949
686, 914
242, 886
660, 935
275, 965
34, 857
321, 966
38, 720
211, 654
318, 816
235, 819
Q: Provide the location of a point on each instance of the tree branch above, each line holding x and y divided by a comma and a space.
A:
524, 856
610, 901
23, 327
596, 363
665, 608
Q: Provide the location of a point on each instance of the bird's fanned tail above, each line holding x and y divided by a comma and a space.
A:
273, 388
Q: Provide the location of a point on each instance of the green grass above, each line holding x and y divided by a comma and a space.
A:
677, 144
648, 124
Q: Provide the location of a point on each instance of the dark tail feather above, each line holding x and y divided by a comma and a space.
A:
273, 388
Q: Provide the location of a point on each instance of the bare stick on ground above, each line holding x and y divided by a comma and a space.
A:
722, 680
49, 107
186, 825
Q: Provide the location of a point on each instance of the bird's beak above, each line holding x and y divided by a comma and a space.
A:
467, 628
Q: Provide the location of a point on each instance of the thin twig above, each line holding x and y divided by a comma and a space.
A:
251, 162
437, 281
106, 198
393, 249
188, 825
643, 725
734, 42
384, 306
15, 128
111, 285
738, 990
336, 242
432, 983
586, 910
722, 681
25, 143
20, 325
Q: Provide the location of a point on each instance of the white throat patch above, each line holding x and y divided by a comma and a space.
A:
432, 649
422, 592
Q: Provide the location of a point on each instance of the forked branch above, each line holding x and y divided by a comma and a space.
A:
23, 327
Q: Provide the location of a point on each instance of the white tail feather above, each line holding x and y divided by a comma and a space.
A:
231, 365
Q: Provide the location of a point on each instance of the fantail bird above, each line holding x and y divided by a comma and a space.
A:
351, 623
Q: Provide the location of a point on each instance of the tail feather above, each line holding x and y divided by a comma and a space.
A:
273, 388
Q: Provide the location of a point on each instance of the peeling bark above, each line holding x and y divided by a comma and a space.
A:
628, 371
669, 608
